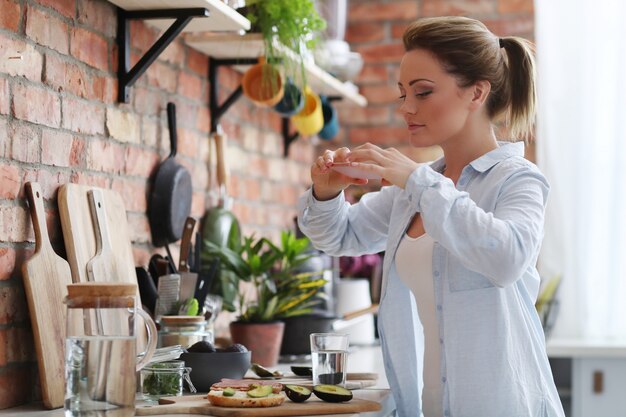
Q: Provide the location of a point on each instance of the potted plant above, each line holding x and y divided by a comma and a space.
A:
293, 23
268, 290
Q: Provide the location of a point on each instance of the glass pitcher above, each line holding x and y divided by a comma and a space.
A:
100, 351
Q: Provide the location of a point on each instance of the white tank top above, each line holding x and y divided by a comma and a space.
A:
414, 259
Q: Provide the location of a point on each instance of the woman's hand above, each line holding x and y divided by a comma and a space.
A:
394, 167
327, 183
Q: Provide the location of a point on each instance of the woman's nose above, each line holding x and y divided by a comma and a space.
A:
408, 106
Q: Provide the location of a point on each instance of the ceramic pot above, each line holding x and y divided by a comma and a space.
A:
310, 120
262, 83
262, 339
292, 101
331, 121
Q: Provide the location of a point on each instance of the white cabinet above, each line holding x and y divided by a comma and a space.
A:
598, 375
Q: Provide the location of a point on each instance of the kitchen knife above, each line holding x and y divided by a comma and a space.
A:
187, 279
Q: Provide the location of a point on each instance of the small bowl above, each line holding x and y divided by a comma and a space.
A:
209, 368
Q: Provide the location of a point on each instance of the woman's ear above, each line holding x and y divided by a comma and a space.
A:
481, 88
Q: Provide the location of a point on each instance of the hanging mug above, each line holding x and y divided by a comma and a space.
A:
292, 101
310, 119
262, 83
331, 121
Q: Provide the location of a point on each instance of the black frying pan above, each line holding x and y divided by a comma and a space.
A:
170, 200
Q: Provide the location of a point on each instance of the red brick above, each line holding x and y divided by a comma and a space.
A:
83, 178
98, 16
391, 52
187, 143
20, 345
198, 206
146, 101
105, 156
65, 7
37, 105
133, 193
373, 74
368, 116
380, 94
197, 62
399, 10
25, 144
47, 30
379, 135
518, 26
50, 183
456, 7
90, 48
9, 181
174, 53
7, 263
77, 153
10, 16
397, 30
16, 385
56, 148
82, 116
30, 65
365, 32
515, 6
162, 76
3, 345
15, 226
123, 126
204, 120
65, 76
142, 36
190, 85
140, 162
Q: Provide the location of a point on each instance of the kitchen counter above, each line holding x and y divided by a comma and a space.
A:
361, 359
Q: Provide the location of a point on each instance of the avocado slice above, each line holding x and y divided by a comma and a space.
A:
228, 392
260, 391
297, 394
332, 393
302, 370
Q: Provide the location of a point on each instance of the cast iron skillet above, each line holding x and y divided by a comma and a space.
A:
170, 200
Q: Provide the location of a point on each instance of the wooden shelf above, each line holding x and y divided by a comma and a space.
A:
232, 46
222, 18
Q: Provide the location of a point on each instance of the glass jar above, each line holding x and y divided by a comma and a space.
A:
164, 379
183, 330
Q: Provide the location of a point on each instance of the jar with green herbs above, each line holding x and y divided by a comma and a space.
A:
163, 379
183, 330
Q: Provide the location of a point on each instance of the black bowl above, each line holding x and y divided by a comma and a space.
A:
209, 368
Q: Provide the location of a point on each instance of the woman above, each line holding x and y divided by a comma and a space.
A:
458, 326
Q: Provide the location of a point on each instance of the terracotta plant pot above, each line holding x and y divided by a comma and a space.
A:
262, 83
262, 339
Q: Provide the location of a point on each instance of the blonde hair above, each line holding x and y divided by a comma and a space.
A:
470, 52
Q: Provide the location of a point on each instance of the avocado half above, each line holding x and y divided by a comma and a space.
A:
332, 393
297, 394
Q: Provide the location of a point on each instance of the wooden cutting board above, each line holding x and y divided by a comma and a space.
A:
46, 276
79, 232
198, 404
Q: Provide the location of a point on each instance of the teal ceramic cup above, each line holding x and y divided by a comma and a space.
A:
292, 101
331, 120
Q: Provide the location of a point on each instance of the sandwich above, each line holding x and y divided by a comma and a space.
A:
246, 393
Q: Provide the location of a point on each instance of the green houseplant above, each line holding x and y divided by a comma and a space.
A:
268, 289
293, 23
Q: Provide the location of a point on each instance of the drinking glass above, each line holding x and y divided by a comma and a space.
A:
329, 356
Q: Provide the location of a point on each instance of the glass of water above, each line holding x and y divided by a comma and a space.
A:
329, 356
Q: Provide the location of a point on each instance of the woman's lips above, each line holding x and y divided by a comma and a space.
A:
414, 126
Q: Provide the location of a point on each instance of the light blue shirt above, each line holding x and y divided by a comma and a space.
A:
487, 231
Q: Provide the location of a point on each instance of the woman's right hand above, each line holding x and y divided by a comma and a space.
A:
327, 184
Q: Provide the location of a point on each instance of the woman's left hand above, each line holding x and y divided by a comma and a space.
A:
394, 167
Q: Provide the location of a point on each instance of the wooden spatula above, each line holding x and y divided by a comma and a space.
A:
46, 276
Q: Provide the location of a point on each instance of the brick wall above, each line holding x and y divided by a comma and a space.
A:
60, 122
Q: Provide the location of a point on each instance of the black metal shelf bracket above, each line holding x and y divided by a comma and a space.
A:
288, 137
127, 76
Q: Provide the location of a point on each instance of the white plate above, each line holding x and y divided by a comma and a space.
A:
354, 172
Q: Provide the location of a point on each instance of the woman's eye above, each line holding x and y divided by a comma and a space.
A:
424, 94
402, 97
